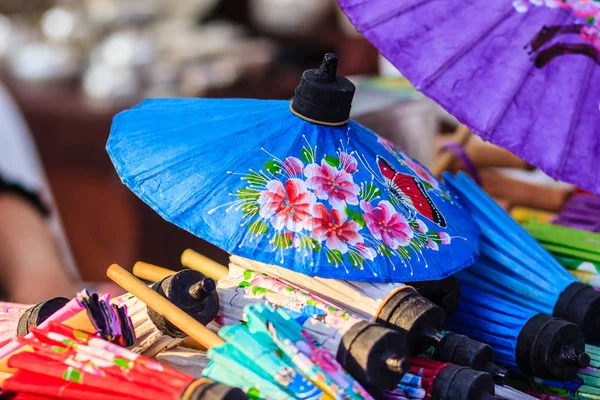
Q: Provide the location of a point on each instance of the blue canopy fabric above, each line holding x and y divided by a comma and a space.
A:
260, 182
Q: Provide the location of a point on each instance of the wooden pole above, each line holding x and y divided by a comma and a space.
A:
164, 307
442, 163
208, 267
151, 272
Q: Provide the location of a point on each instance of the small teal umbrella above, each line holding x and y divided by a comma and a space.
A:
294, 184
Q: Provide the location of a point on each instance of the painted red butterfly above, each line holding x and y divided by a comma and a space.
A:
410, 191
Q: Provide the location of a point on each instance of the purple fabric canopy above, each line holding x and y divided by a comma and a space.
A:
472, 57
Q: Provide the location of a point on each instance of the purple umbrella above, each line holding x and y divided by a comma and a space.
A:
522, 76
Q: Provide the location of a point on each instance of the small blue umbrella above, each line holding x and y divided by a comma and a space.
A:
294, 184
523, 341
515, 267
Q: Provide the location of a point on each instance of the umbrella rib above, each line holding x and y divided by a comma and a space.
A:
583, 92
500, 116
429, 80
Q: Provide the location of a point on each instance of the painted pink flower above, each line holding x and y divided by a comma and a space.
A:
334, 228
386, 224
432, 245
444, 237
331, 184
366, 252
293, 166
287, 206
422, 173
349, 163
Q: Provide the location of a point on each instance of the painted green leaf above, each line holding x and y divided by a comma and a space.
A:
247, 275
254, 394
404, 252
308, 243
356, 216
369, 192
258, 290
282, 241
434, 236
335, 257
123, 363
394, 200
244, 284
254, 178
59, 349
427, 185
72, 375
384, 250
258, 227
250, 208
355, 259
308, 155
248, 194
273, 167
332, 309
289, 289
333, 161
311, 302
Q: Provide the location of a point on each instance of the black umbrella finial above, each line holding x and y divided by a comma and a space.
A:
191, 291
322, 96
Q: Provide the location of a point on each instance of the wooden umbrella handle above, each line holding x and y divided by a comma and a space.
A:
151, 272
164, 307
208, 267
442, 163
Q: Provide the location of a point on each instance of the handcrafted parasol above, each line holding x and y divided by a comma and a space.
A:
68, 364
523, 340
514, 266
521, 74
297, 184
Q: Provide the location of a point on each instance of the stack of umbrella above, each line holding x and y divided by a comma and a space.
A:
326, 198
69, 364
576, 249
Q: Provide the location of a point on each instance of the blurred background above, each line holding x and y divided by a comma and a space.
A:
71, 65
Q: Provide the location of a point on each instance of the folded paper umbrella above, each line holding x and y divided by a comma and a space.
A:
585, 386
269, 325
372, 354
70, 364
514, 266
574, 248
190, 290
524, 341
430, 379
376, 356
267, 366
87, 312
16, 319
396, 306
297, 184
475, 65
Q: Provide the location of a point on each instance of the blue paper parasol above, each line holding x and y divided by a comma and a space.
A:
515, 267
523, 340
298, 186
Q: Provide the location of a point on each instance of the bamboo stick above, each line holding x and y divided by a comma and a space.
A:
208, 267
151, 272
164, 307
442, 163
